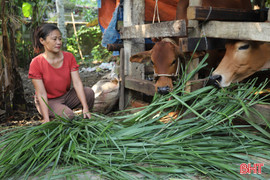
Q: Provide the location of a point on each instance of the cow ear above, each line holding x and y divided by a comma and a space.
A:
141, 57
199, 54
179, 52
155, 40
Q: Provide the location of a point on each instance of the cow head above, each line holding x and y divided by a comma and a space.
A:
242, 59
166, 62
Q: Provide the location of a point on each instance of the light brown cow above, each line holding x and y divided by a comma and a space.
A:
165, 54
241, 60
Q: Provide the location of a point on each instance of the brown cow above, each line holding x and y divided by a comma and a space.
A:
165, 54
241, 60
165, 57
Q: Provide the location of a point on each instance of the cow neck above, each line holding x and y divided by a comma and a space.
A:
267, 64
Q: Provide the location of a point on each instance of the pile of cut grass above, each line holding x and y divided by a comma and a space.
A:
202, 141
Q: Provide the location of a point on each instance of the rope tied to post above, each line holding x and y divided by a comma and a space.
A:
203, 31
156, 12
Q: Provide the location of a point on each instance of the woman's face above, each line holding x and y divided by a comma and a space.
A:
53, 42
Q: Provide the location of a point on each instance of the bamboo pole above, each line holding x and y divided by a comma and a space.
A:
75, 32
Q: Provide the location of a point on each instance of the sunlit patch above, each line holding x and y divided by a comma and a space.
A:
170, 117
265, 91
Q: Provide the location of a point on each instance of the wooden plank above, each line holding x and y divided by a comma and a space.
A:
118, 46
189, 44
259, 31
264, 110
209, 13
194, 85
163, 29
140, 85
115, 47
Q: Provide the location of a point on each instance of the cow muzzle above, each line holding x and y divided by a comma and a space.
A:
215, 80
163, 90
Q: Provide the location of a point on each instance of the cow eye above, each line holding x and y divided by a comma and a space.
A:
244, 47
173, 62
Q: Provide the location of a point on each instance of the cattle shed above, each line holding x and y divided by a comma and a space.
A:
215, 25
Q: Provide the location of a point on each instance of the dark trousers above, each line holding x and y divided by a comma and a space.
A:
64, 105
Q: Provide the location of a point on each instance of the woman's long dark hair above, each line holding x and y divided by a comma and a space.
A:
42, 32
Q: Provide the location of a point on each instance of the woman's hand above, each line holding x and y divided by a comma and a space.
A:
43, 121
86, 114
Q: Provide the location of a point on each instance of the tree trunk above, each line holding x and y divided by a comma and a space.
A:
1, 76
61, 20
6, 83
10, 95
18, 100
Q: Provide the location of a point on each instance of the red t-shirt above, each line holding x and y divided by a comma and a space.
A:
56, 80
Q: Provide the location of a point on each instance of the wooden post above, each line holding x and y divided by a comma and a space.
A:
133, 15
194, 62
195, 2
268, 19
122, 80
123, 101
193, 65
134, 12
193, 25
138, 44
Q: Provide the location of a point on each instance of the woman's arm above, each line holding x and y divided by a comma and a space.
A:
78, 86
41, 96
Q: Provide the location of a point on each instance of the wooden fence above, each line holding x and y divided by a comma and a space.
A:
216, 26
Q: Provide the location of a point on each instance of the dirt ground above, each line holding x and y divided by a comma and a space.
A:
31, 116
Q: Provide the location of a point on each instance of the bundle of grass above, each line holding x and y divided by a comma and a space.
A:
202, 141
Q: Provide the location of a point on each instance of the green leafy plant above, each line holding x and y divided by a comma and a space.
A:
27, 9
267, 4
100, 53
89, 14
72, 46
90, 38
